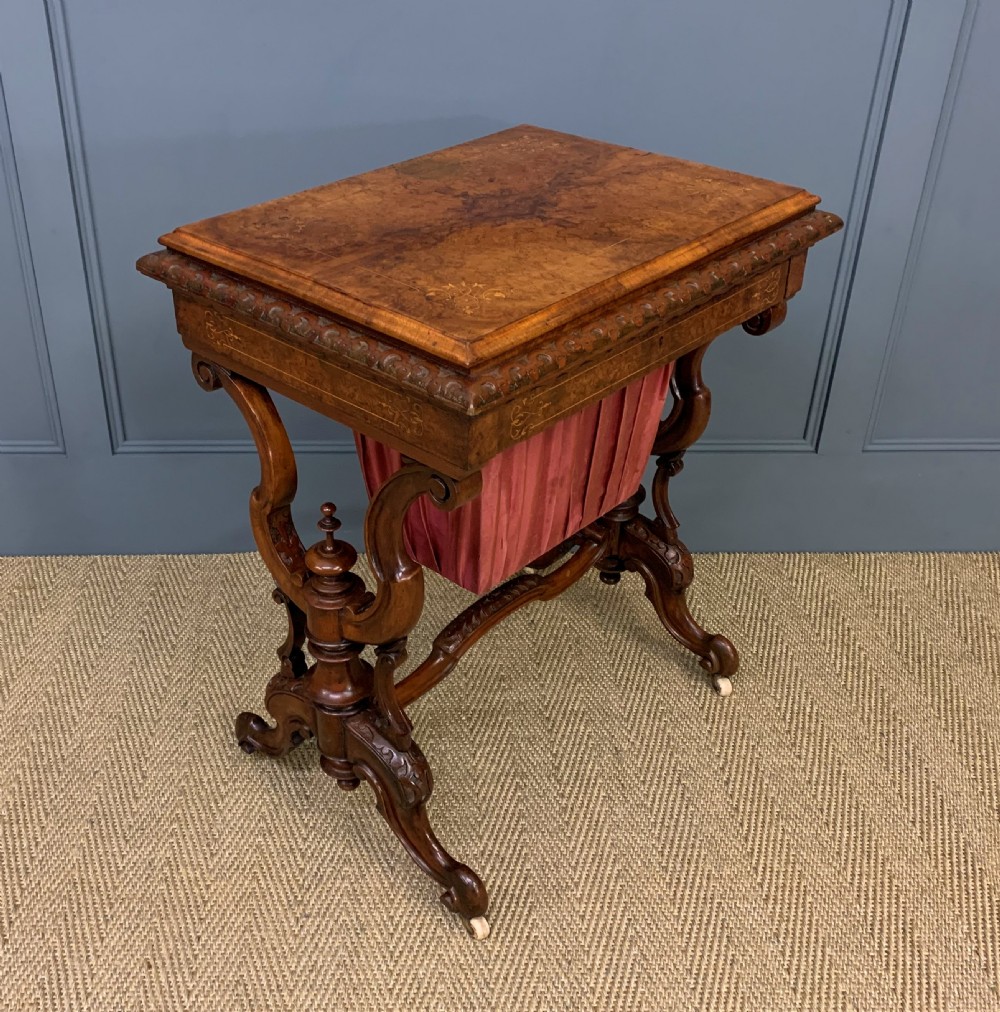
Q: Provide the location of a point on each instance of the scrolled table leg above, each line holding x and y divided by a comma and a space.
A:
281, 549
271, 501
362, 729
652, 548
351, 707
293, 716
379, 749
283, 697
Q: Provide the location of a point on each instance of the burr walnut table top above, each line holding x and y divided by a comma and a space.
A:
459, 302
480, 248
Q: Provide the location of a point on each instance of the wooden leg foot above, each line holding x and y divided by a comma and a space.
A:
401, 779
254, 734
292, 715
667, 570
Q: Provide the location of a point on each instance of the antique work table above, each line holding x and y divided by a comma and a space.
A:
451, 307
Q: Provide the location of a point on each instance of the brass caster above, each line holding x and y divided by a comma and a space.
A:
723, 686
478, 927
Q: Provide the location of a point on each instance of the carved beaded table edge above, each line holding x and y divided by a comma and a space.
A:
599, 275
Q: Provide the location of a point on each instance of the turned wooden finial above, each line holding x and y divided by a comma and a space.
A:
339, 678
329, 558
328, 523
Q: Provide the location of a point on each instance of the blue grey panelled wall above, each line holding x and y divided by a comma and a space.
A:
869, 420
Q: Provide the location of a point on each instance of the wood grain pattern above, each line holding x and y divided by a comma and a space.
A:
368, 352
474, 250
455, 418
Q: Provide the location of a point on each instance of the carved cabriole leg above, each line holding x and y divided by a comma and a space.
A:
361, 727
282, 697
282, 551
271, 501
652, 547
349, 705
369, 743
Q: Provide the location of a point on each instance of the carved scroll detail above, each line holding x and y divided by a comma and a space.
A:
401, 779
293, 714
564, 349
406, 765
270, 502
476, 615
677, 568
691, 408
399, 592
766, 320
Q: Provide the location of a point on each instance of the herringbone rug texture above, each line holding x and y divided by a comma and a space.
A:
826, 838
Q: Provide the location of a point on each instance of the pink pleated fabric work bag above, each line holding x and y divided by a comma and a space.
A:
536, 493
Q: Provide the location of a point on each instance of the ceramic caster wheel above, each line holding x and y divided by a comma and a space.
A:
479, 928
723, 686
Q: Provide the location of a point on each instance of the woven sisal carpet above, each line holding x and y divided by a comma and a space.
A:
826, 838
